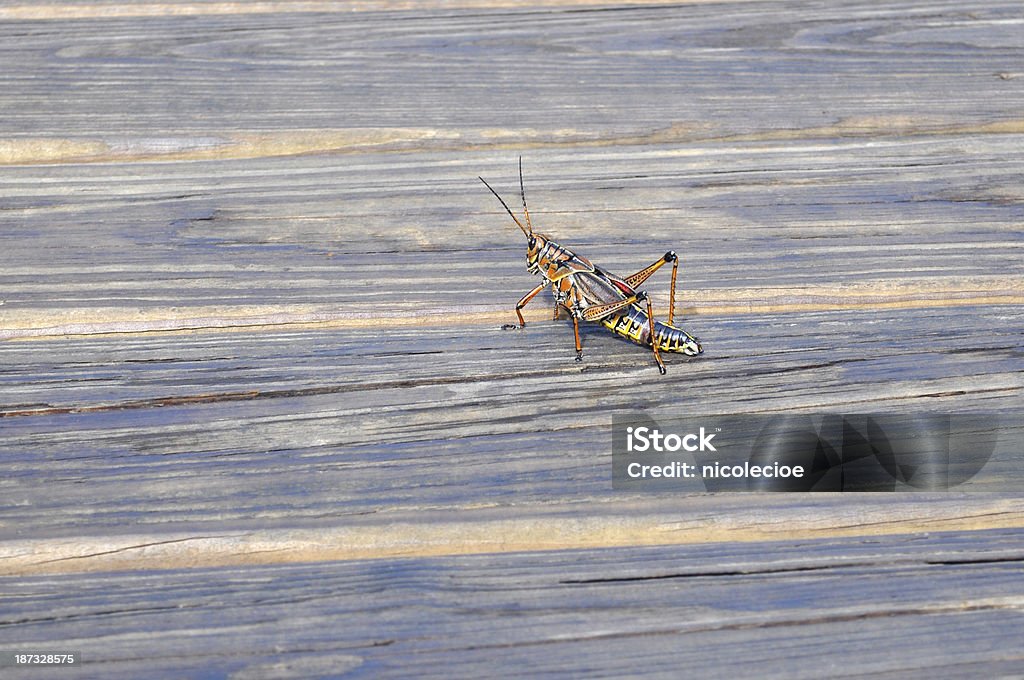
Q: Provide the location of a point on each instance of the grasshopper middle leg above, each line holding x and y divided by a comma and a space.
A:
576, 323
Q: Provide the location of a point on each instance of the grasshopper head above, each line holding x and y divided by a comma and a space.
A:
534, 244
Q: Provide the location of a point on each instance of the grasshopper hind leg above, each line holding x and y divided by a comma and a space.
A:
637, 279
654, 338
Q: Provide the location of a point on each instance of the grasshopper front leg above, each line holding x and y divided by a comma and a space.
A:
522, 303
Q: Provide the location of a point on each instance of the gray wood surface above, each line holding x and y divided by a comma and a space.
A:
892, 607
250, 304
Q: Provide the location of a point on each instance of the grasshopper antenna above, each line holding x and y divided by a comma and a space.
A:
507, 209
522, 192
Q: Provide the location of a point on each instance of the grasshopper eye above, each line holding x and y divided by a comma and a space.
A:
531, 242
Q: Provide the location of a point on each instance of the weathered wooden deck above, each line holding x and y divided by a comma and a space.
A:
257, 414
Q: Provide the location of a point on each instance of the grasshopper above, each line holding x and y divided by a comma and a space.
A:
589, 293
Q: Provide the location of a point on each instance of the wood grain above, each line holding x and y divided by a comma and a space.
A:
944, 603
251, 293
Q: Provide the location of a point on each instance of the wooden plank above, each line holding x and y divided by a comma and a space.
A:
311, 251
285, 444
889, 607
694, 70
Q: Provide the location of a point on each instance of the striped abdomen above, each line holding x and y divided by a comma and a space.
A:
633, 325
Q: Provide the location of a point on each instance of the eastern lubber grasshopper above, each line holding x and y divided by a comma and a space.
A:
590, 293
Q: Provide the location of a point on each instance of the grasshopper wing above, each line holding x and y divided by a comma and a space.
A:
601, 288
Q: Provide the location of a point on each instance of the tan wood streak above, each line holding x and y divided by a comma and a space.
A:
889, 294
232, 145
466, 535
264, 144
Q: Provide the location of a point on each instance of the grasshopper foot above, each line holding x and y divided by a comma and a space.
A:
579, 355
512, 327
